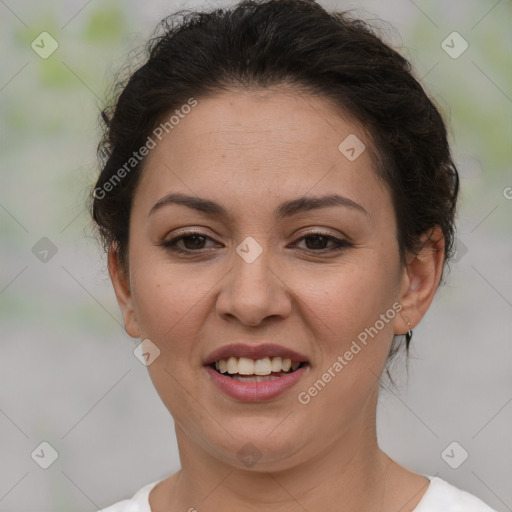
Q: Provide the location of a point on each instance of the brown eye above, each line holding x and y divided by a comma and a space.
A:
192, 242
319, 240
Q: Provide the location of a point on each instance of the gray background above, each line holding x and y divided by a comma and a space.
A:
68, 375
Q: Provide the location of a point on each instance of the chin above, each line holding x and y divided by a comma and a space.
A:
268, 446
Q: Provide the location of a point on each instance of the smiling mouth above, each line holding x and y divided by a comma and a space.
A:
245, 369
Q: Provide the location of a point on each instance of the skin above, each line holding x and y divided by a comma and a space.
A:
250, 151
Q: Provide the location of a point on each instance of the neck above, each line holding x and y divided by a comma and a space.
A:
351, 468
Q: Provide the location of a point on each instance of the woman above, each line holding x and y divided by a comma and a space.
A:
277, 199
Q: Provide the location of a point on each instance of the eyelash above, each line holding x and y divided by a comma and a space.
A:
339, 243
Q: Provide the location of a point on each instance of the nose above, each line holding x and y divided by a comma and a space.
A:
254, 291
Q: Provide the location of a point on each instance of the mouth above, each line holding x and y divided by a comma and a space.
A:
250, 373
244, 369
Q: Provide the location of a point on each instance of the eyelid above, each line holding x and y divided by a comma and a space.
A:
339, 243
197, 230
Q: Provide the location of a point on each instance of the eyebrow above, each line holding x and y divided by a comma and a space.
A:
284, 210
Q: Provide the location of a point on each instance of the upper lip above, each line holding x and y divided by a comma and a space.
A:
254, 352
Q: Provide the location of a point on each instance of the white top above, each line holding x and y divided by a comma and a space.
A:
440, 497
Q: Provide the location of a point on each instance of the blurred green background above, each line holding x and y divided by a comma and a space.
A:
67, 368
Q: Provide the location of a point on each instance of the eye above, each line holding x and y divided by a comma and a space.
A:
319, 240
193, 242
196, 239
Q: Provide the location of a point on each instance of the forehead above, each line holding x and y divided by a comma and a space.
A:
261, 144
266, 119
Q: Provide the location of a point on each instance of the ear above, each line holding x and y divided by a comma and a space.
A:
121, 282
420, 280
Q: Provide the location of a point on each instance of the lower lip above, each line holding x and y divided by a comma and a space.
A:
255, 391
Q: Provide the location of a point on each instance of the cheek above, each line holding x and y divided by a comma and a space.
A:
332, 303
170, 298
351, 315
163, 302
349, 298
171, 303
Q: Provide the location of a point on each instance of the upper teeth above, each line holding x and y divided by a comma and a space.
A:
246, 366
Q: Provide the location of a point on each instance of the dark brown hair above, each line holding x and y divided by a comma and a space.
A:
269, 43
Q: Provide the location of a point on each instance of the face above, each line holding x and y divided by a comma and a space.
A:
313, 281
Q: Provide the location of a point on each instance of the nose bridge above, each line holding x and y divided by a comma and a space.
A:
251, 270
253, 291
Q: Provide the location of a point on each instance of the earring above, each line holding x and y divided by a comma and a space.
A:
408, 334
